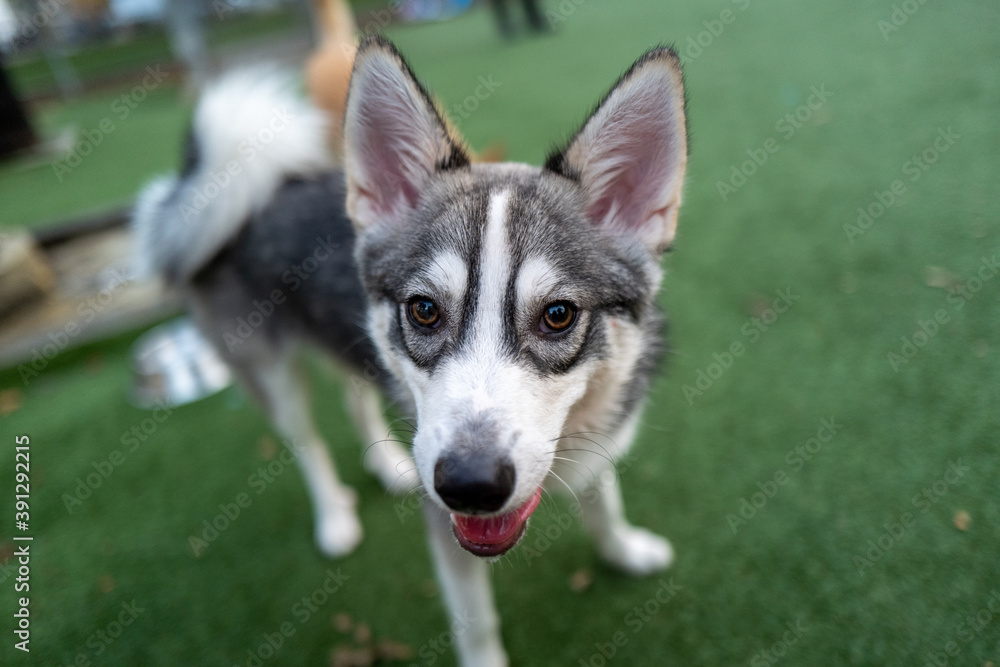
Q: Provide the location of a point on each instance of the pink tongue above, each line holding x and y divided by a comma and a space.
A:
496, 529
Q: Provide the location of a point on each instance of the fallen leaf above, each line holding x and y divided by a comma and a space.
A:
95, 364
429, 588
757, 305
10, 401
936, 276
267, 447
581, 580
106, 583
962, 520
981, 348
362, 634
345, 656
343, 623
388, 649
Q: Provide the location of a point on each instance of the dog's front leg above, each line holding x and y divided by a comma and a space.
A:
468, 593
634, 550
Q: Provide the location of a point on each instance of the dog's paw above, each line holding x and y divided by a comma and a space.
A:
638, 552
338, 530
492, 656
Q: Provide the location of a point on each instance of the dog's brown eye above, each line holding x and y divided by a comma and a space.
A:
423, 313
557, 317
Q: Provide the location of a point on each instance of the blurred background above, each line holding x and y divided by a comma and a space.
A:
823, 448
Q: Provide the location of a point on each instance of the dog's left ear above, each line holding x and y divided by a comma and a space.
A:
631, 154
394, 138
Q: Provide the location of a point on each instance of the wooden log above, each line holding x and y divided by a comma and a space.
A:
25, 274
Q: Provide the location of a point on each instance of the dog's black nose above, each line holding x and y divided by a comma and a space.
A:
473, 484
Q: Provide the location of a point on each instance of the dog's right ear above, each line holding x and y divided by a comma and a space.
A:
394, 139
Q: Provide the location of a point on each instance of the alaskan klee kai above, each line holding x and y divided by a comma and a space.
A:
509, 308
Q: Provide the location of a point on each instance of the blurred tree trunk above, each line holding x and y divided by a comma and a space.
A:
16, 133
187, 39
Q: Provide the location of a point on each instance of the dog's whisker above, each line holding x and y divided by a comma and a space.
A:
588, 480
588, 451
568, 487
581, 434
584, 435
549, 500
606, 455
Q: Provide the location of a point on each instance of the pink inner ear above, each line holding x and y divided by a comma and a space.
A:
385, 160
389, 161
633, 162
394, 141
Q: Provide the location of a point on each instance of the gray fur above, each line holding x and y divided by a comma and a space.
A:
493, 388
611, 275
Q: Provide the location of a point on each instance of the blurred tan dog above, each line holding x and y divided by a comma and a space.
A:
328, 75
328, 69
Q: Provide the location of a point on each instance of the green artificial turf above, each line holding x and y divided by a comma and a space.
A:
854, 298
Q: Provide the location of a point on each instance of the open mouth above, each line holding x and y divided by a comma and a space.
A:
494, 535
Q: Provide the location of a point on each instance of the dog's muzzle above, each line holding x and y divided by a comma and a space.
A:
474, 485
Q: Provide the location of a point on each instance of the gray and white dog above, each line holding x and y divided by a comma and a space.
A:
509, 308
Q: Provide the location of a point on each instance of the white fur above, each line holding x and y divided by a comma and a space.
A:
494, 267
252, 132
447, 273
338, 529
146, 227
482, 384
536, 281
475, 382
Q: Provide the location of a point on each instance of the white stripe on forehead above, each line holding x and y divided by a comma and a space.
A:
494, 273
537, 278
446, 273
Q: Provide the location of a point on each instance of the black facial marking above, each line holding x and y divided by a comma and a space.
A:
602, 276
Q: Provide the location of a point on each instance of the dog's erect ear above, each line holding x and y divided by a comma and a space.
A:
394, 139
631, 154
